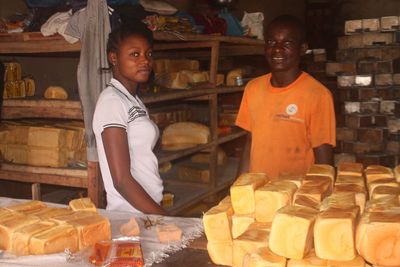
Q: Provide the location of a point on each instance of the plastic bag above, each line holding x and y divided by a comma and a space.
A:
118, 252
253, 24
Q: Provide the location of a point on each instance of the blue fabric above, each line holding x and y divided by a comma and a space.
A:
234, 28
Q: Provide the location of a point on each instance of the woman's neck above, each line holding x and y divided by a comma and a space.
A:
129, 85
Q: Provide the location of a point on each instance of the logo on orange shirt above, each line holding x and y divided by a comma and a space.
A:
291, 109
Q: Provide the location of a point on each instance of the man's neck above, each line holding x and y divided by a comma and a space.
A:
284, 78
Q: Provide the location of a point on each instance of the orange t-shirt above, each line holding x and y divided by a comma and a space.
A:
286, 124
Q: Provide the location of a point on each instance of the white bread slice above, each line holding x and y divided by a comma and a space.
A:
334, 233
382, 182
359, 192
248, 242
240, 223
378, 238
220, 253
310, 260
339, 200
389, 202
383, 191
27, 206
260, 226
48, 213
243, 191
322, 170
91, 229
350, 168
75, 215
358, 261
55, 239
22, 236
292, 231
315, 187
8, 227
306, 201
84, 203
271, 197
377, 172
263, 256
217, 223
349, 179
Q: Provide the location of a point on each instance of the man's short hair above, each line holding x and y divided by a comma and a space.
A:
293, 21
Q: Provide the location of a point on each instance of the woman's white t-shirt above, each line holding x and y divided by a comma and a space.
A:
116, 107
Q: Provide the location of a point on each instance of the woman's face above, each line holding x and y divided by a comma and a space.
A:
133, 61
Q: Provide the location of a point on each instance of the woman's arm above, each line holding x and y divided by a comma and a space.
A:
117, 152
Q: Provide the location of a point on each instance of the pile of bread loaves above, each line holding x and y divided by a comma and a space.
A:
344, 217
32, 228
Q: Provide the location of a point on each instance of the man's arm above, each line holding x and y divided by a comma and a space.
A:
244, 162
323, 154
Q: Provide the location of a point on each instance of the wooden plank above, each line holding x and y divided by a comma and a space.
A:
36, 191
95, 185
24, 108
44, 170
165, 156
28, 177
38, 46
42, 103
236, 133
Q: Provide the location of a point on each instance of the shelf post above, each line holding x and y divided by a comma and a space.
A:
95, 185
213, 103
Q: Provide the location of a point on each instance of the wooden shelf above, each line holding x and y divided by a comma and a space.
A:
188, 194
35, 42
23, 108
57, 176
165, 156
69, 109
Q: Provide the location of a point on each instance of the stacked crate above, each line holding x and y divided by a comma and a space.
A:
368, 92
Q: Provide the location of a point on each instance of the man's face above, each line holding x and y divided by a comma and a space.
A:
283, 47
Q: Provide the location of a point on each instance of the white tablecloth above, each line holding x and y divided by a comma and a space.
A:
153, 250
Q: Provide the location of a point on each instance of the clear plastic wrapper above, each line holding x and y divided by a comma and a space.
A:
118, 252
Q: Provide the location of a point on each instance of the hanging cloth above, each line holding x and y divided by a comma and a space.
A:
93, 57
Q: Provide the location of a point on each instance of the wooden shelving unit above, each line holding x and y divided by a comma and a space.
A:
201, 46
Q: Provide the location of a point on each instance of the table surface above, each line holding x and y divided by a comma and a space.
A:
195, 255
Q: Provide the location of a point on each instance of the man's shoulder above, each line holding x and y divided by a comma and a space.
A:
258, 82
314, 86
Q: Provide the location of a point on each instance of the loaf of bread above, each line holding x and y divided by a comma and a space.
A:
55, 92
292, 232
248, 242
183, 135
82, 204
204, 157
33, 228
350, 168
378, 238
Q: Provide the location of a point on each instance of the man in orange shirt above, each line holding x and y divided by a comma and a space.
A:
289, 114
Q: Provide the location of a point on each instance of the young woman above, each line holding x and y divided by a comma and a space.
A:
125, 135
